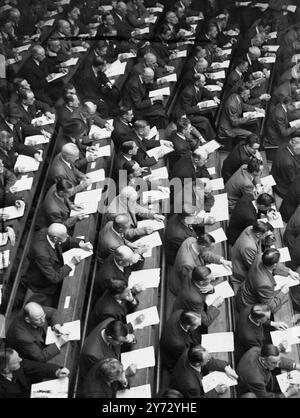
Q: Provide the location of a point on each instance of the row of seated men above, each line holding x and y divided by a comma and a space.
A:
100, 366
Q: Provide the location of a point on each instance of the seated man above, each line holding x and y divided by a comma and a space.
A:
136, 97
246, 213
255, 372
180, 331
150, 61
63, 166
128, 150
7, 181
47, 269
27, 333
241, 154
55, 53
123, 129
117, 301
194, 363
232, 122
192, 253
291, 200
182, 140
246, 248
245, 180
285, 167
193, 294
17, 374
259, 287
191, 166
190, 99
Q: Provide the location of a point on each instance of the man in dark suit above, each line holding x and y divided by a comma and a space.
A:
47, 269
193, 293
37, 70
69, 108
182, 140
255, 372
27, 333
116, 302
182, 329
63, 166
122, 25
17, 374
253, 328
194, 363
123, 128
241, 154
190, 100
191, 166
232, 122
136, 13
291, 200
286, 165
104, 341
246, 212
260, 283
235, 78
128, 150
136, 97
7, 180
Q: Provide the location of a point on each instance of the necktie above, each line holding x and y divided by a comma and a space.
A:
58, 251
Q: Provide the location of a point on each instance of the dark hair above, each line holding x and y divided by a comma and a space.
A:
241, 89
259, 311
115, 286
206, 240
254, 165
200, 273
265, 199
128, 166
68, 97
109, 368
127, 146
268, 350
210, 26
260, 227
182, 123
5, 355
62, 184
251, 140
97, 61
104, 16
270, 256
195, 354
164, 29
187, 318
124, 110
74, 127
116, 329
240, 61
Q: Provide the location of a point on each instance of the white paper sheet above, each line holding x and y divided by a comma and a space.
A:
154, 196
291, 8
168, 78
295, 123
97, 175
43, 120
142, 31
151, 19
220, 208
79, 49
72, 328
158, 173
290, 335
244, 3
152, 240
255, 114
285, 379
284, 255
143, 392
26, 164
150, 317
89, 199
116, 68
283, 280
24, 183
36, 140
213, 379
226, 51
147, 278
211, 170
270, 48
268, 181
207, 104
219, 342
153, 132
22, 48
223, 64
106, 7
222, 289
156, 9
213, 87
3, 239
216, 76
217, 184
267, 60
261, 5
219, 235
218, 270
180, 54
162, 148
79, 252
102, 133
56, 388
13, 212
4, 259
211, 146
142, 358
165, 91
156, 225
56, 76
71, 61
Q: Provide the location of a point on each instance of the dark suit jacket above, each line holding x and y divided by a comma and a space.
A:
232, 114
57, 209
46, 271
7, 179
94, 386
259, 287
36, 74
26, 116
123, 27
285, 168
190, 97
243, 215
175, 233
175, 340
29, 372
255, 378
278, 127
121, 133
187, 380
60, 168
237, 157
184, 169
291, 238
108, 272
291, 200
234, 81
95, 348
142, 157
109, 240
181, 146
28, 341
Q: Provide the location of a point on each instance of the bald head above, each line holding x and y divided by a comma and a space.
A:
124, 256
121, 8
90, 107
148, 75
150, 59
199, 157
64, 27
34, 314
38, 53
121, 223
70, 152
57, 233
254, 52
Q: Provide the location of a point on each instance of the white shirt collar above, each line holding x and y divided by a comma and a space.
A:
50, 242
66, 162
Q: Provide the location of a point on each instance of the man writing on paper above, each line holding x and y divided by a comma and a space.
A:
260, 283
47, 270
17, 374
27, 333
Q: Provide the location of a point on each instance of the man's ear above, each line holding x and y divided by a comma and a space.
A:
26, 319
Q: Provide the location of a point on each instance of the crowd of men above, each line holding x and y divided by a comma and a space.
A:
251, 108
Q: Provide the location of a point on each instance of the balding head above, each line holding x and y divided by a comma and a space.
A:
148, 75
38, 53
201, 65
128, 194
34, 314
90, 107
121, 223
200, 154
64, 27
124, 256
121, 8
57, 233
254, 52
295, 72
70, 152
150, 59
14, 14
